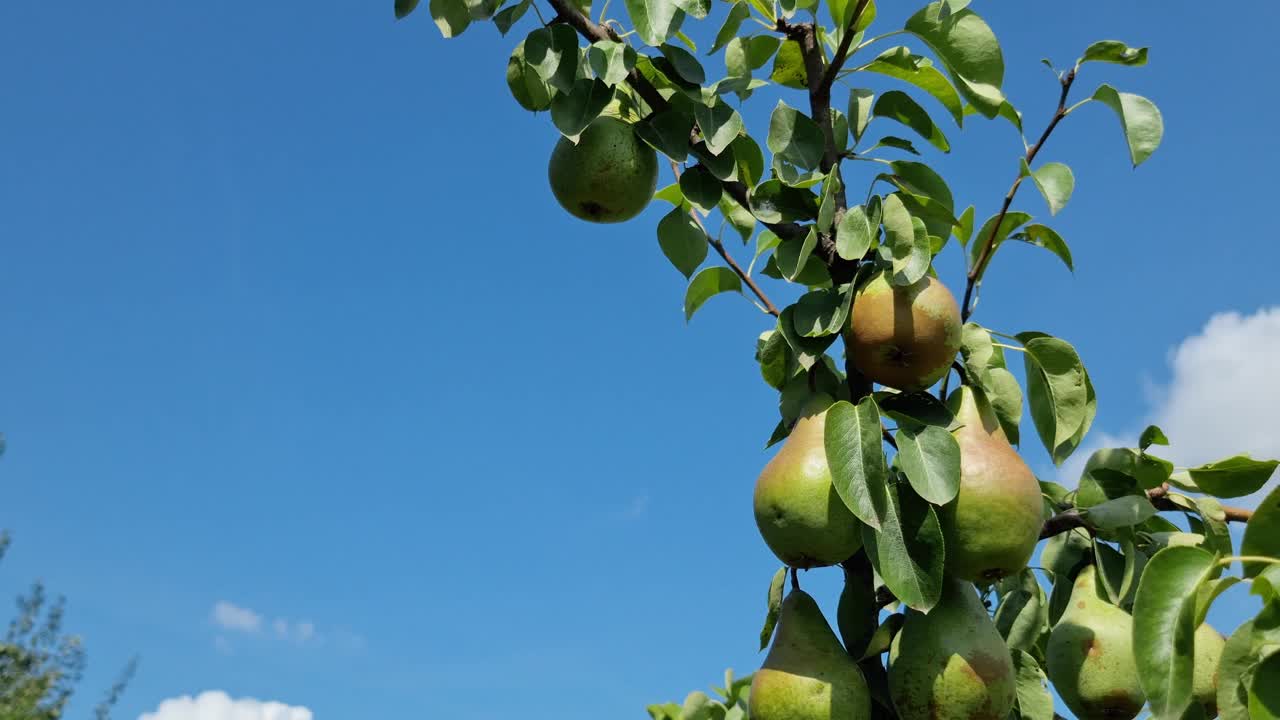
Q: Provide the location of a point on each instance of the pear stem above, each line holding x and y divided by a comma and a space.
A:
795, 579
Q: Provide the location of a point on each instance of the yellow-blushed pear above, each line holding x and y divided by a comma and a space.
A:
798, 512
992, 526
904, 337
608, 176
807, 674
1090, 655
951, 664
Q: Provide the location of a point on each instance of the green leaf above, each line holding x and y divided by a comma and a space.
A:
1034, 700
1262, 533
1011, 221
1153, 435
1235, 476
720, 124
1114, 51
793, 254
749, 158
510, 16
930, 458
1023, 615
1063, 553
914, 408
667, 131
1163, 627
710, 281
774, 606
930, 200
860, 104
907, 243
1058, 390
1005, 395
827, 208
964, 229
1121, 512
553, 52
1238, 659
969, 50
738, 12
451, 16
1046, 237
611, 61
794, 137
684, 63
896, 143
682, 241
794, 176
772, 353
1143, 125
1209, 592
897, 105
697, 9
700, 187
908, 549
822, 312
672, 194
807, 351
774, 202
856, 457
655, 20
739, 217
404, 7
1264, 691
572, 112
1055, 181
899, 63
526, 85
854, 234
482, 9
788, 67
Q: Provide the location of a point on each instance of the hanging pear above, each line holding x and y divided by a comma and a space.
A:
904, 337
807, 674
799, 514
1090, 655
951, 664
993, 525
1208, 655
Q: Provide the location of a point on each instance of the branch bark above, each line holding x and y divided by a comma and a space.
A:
975, 272
1073, 518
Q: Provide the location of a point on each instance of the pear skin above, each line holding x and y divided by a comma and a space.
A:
993, 525
1209, 647
1090, 656
807, 674
904, 337
798, 512
608, 176
951, 664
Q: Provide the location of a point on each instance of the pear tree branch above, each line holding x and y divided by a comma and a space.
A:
1072, 518
979, 266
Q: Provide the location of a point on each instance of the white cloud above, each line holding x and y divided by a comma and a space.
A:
1220, 400
1222, 396
217, 705
229, 616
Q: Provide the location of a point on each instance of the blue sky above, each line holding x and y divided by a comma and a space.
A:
293, 323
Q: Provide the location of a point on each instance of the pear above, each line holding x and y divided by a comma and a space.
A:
904, 337
1090, 655
951, 664
993, 525
802, 519
608, 176
807, 675
1208, 655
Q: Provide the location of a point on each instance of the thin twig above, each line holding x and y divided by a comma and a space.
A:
1074, 518
842, 51
975, 272
719, 247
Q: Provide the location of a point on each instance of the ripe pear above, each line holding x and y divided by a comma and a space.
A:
1090, 655
807, 674
802, 519
904, 337
1208, 655
993, 525
951, 664
607, 177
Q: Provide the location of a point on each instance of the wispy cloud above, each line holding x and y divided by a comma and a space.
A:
230, 616
242, 620
638, 507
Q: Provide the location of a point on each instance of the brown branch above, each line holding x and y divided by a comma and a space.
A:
1072, 518
719, 248
842, 51
975, 272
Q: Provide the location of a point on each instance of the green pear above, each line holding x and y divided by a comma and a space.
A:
993, 525
608, 176
1090, 655
1208, 655
904, 337
951, 664
802, 519
807, 675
